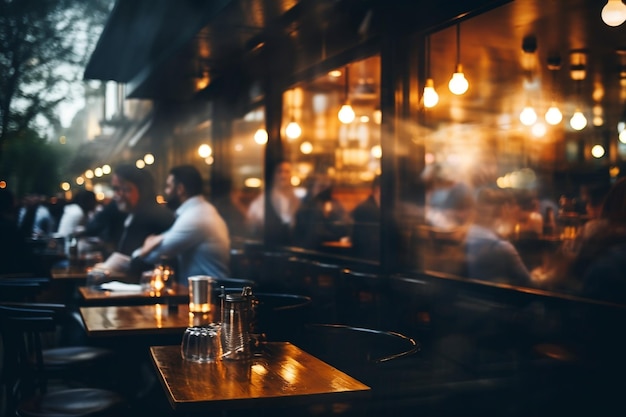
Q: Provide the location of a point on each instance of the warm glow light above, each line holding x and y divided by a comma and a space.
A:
204, 151
293, 130
106, 169
578, 121
364, 119
458, 84
160, 199
89, 174
209, 160
335, 73
260, 136
100, 196
614, 171
431, 98
553, 115
140, 164
65, 186
306, 147
148, 159
597, 151
98, 172
622, 136
62, 140
346, 114
80, 180
3, 184
539, 130
528, 116
614, 13
377, 151
253, 182
378, 116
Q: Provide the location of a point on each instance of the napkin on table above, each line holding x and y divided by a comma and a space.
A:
120, 286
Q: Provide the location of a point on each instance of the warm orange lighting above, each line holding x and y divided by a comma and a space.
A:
3, 184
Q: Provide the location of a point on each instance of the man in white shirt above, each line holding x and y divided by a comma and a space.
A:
199, 236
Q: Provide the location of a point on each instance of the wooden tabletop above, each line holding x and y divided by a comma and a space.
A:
157, 319
179, 294
281, 375
79, 273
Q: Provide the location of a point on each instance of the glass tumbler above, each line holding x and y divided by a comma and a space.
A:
202, 344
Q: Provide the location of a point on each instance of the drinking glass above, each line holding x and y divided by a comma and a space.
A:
202, 344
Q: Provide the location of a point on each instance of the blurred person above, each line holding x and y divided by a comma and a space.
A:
284, 204
489, 256
34, 219
198, 238
530, 219
600, 262
227, 203
593, 196
16, 255
365, 236
448, 199
76, 214
107, 226
320, 217
134, 195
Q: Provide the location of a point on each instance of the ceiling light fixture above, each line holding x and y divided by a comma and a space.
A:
458, 83
293, 130
554, 116
430, 96
346, 114
614, 13
578, 72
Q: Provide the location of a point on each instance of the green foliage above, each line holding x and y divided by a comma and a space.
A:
44, 45
31, 164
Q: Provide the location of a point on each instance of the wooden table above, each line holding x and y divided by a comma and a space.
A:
158, 319
179, 294
282, 375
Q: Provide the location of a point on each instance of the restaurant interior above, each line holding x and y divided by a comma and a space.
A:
408, 302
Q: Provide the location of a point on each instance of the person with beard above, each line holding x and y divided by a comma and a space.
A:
199, 237
134, 194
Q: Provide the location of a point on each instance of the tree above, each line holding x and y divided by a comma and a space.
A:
44, 45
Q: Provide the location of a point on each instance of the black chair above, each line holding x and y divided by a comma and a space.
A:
380, 359
21, 288
280, 317
26, 377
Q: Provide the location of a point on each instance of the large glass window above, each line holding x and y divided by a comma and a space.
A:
331, 132
505, 190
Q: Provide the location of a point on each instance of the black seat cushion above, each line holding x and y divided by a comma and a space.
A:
73, 403
73, 356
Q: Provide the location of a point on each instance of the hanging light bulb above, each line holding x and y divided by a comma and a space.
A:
293, 130
458, 83
346, 114
614, 12
553, 115
528, 116
260, 136
578, 120
622, 136
431, 98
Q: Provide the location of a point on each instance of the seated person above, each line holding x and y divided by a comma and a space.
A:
321, 217
34, 218
16, 256
76, 214
284, 204
107, 225
198, 238
600, 262
489, 256
366, 224
134, 195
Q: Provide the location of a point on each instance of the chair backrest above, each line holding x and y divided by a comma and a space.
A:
21, 328
281, 316
356, 348
21, 288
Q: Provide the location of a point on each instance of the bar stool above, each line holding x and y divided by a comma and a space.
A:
26, 377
